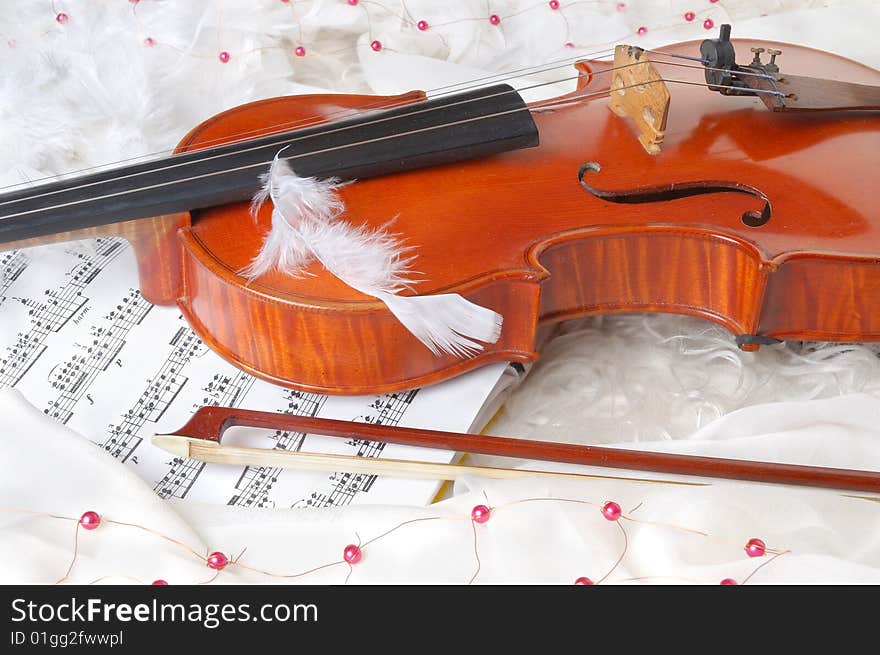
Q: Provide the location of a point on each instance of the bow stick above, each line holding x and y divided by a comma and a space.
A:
200, 439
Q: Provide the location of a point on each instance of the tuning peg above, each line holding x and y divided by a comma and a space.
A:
756, 60
773, 53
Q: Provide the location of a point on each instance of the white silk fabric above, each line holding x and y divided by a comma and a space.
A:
833, 537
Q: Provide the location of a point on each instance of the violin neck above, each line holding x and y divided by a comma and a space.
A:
427, 133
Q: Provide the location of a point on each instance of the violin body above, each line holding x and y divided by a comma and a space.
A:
516, 232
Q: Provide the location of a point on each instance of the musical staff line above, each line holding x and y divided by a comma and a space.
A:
160, 392
222, 390
12, 265
388, 410
52, 312
83, 345
255, 483
73, 378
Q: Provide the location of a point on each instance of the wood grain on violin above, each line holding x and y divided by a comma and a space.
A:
518, 233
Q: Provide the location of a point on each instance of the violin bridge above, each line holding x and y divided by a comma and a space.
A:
639, 92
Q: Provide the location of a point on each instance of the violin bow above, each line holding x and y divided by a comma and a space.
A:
200, 439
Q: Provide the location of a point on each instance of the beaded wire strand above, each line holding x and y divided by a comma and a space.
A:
353, 554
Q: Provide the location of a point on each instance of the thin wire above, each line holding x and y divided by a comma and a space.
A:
317, 119
539, 105
300, 138
112, 575
291, 575
75, 555
738, 71
677, 56
211, 579
236, 562
711, 68
283, 143
476, 554
302, 124
619, 559
763, 564
400, 525
160, 535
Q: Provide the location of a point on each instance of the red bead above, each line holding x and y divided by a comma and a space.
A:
62, 18
217, 561
376, 45
160, 583
89, 520
494, 19
708, 23
569, 44
728, 582
299, 51
621, 6
149, 42
583, 581
352, 554
611, 510
353, 3
755, 548
642, 31
689, 16
224, 57
134, 2
554, 4
480, 514
422, 25
713, 1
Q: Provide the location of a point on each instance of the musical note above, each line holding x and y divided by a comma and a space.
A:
161, 390
50, 313
74, 377
387, 410
12, 265
255, 483
82, 344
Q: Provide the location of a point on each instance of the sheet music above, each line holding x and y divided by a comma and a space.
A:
79, 341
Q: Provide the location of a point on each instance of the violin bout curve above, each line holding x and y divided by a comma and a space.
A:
340, 348
535, 247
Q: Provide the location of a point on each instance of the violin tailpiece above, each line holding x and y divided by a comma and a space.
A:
638, 92
814, 94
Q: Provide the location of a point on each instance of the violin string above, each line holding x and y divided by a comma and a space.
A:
676, 55
739, 71
285, 143
449, 89
318, 119
437, 92
294, 138
539, 105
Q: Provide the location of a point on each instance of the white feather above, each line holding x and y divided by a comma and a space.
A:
306, 226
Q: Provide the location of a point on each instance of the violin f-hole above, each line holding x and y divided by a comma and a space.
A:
676, 190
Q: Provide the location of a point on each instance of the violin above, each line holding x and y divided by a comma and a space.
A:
741, 193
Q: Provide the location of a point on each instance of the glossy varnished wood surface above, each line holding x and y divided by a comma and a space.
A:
155, 244
516, 232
